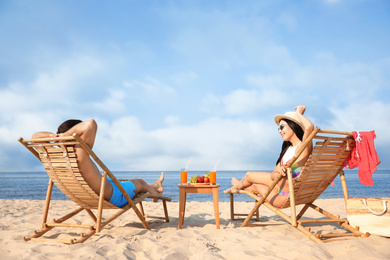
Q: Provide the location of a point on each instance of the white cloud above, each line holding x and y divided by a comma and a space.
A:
364, 116
288, 20
183, 78
224, 70
172, 120
253, 101
56, 89
150, 87
238, 143
113, 104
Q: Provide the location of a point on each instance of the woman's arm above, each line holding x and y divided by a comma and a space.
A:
309, 127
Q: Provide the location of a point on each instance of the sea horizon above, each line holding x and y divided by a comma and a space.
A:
33, 185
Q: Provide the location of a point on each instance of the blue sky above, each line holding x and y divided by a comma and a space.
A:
171, 80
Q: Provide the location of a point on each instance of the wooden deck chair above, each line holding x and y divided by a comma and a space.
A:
60, 161
330, 151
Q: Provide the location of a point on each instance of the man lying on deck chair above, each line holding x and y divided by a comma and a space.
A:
87, 131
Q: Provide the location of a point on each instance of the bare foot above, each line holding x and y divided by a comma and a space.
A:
158, 184
235, 182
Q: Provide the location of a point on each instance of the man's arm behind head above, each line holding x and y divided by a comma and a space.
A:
85, 129
39, 135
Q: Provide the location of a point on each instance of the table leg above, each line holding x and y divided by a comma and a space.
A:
216, 207
182, 206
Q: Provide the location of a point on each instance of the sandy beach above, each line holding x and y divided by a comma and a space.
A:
125, 238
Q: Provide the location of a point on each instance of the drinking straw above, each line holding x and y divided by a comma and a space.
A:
188, 163
215, 167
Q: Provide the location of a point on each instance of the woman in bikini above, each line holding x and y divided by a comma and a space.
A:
294, 128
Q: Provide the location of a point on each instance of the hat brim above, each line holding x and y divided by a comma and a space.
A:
281, 117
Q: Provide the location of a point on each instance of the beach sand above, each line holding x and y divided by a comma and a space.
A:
125, 237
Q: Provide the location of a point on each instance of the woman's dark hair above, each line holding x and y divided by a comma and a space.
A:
68, 124
299, 133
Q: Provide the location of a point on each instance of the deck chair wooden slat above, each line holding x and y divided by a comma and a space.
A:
331, 150
59, 159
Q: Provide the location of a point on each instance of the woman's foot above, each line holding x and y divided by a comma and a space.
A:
235, 182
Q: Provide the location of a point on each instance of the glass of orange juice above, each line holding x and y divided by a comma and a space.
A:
213, 177
183, 176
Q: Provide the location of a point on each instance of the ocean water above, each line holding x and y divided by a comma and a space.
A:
33, 185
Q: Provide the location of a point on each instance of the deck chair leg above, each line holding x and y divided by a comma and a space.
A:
344, 186
292, 198
165, 208
257, 214
322, 211
116, 214
253, 211
44, 228
68, 216
232, 207
141, 208
47, 203
90, 213
233, 214
303, 210
141, 217
165, 211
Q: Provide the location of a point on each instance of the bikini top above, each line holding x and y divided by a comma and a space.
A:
295, 169
289, 154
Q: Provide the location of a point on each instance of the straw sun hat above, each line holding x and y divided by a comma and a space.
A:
290, 116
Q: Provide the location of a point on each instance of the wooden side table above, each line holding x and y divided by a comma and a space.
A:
197, 188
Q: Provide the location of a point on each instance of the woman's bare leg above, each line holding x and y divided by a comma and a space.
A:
251, 178
274, 197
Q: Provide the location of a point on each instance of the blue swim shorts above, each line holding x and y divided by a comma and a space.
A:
117, 197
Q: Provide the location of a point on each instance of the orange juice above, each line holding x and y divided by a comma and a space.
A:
213, 177
183, 177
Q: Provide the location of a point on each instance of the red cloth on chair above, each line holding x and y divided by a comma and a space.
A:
364, 155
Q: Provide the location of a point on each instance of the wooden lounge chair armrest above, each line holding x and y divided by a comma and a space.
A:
256, 196
140, 197
160, 197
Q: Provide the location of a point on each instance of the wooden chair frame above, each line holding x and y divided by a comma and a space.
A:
324, 164
60, 161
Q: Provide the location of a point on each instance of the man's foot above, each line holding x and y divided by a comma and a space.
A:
158, 184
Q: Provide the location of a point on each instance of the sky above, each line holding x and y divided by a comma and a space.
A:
173, 81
